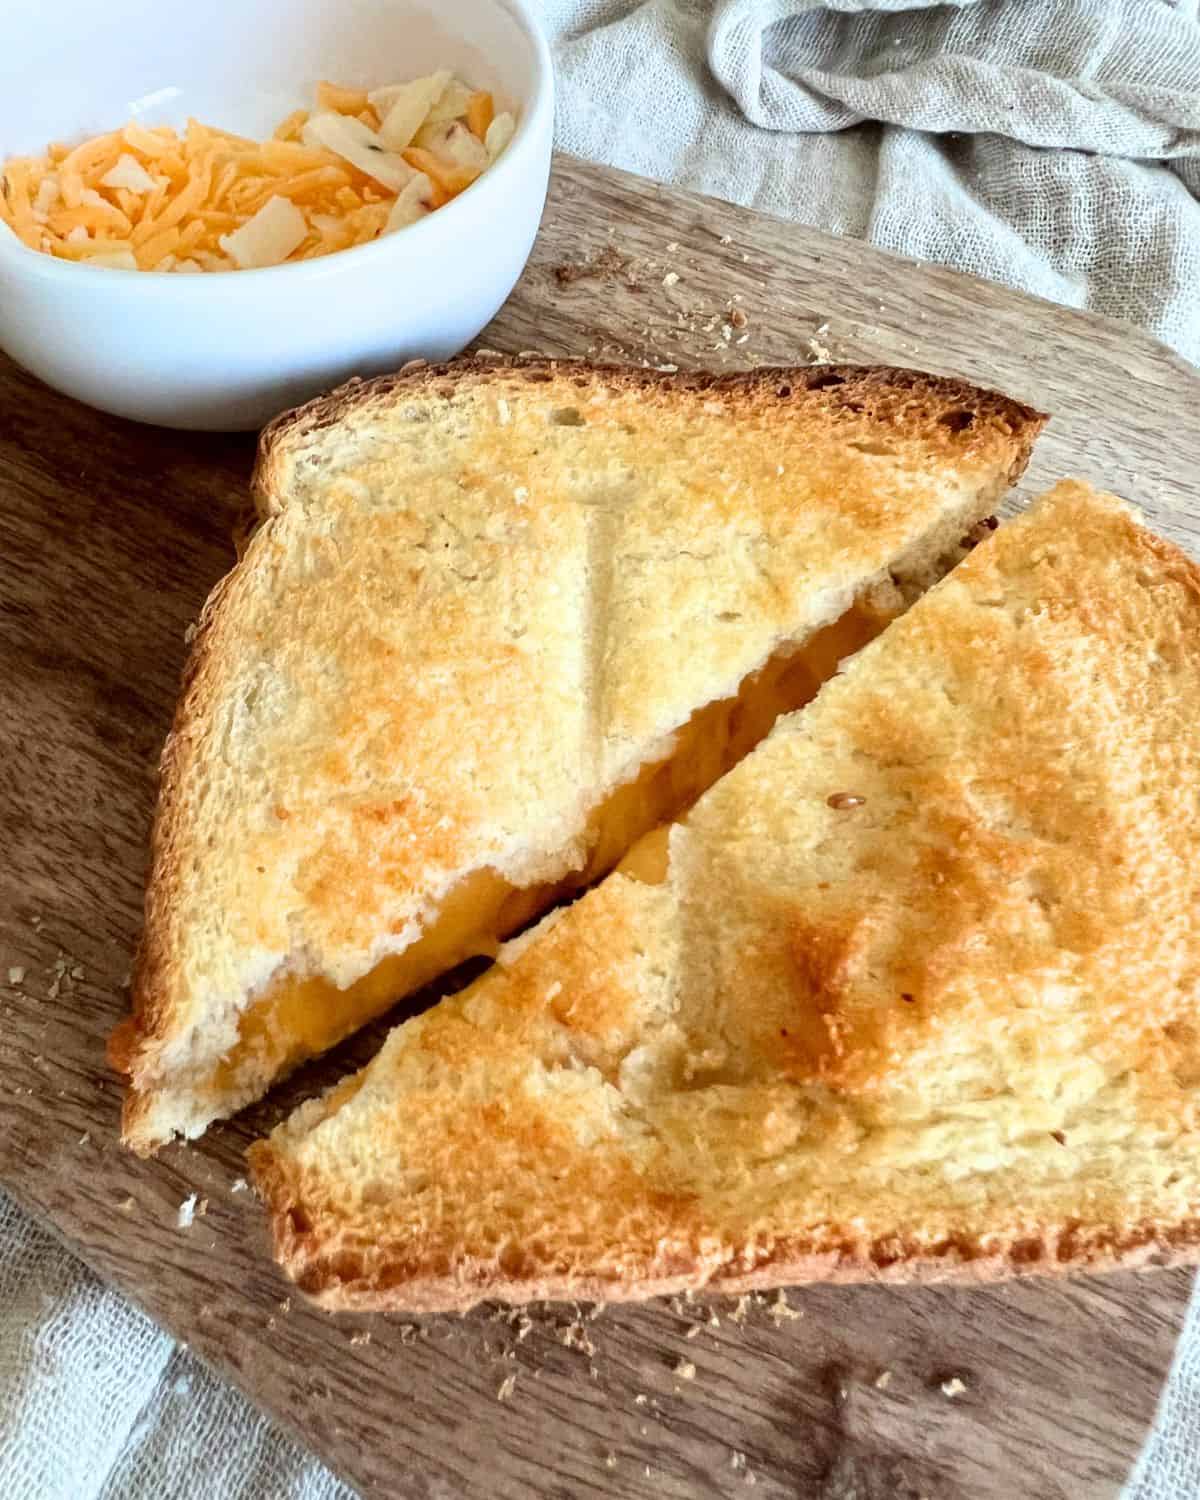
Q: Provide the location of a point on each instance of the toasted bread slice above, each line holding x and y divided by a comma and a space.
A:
912, 992
497, 622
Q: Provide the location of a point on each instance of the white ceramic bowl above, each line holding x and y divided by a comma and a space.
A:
230, 349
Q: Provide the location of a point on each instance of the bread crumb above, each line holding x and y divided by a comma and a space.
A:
574, 1336
506, 1388
672, 247
737, 1462
608, 262
685, 1369
239, 1185
883, 1380
738, 1315
640, 1399
286, 1306
610, 1461
361, 1337
187, 1212
820, 354
738, 318
85, 1137
189, 634
953, 1387
16, 975
782, 1311
128, 1204
694, 1331
671, 278
726, 239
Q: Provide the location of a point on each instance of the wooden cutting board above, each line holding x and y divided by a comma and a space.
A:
110, 536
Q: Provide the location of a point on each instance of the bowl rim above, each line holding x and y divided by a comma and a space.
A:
536, 113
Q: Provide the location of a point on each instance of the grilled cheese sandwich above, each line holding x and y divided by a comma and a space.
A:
910, 993
497, 622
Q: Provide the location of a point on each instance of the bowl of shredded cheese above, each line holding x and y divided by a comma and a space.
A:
256, 202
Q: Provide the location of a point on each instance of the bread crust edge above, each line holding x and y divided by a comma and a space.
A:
317, 1262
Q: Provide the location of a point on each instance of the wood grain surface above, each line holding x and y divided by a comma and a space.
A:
110, 536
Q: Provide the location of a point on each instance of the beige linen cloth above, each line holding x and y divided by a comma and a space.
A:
1052, 145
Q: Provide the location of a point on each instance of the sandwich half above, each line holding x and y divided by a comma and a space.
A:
497, 621
912, 992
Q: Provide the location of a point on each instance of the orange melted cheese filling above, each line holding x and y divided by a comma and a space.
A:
298, 1016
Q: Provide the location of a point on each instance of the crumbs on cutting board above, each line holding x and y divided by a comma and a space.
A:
189, 1210
681, 324
64, 974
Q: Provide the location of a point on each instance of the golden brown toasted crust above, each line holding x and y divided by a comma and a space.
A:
890, 395
517, 576
916, 999
343, 1272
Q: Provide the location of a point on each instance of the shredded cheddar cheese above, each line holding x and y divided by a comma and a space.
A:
362, 164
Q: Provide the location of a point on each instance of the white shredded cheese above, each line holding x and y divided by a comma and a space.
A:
499, 133
47, 194
452, 104
129, 174
412, 203
269, 237
407, 105
114, 260
455, 142
360, 146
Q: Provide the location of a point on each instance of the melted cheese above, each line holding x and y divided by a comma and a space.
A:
297, 1016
